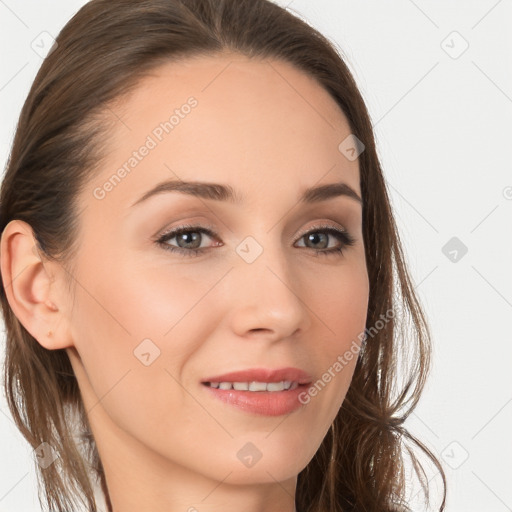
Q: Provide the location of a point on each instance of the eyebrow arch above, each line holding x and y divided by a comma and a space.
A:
220, 192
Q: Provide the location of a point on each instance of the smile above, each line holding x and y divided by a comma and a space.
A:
283, 385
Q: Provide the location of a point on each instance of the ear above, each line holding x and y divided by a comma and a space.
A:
29, 284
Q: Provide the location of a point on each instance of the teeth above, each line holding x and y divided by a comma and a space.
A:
255, 386
258, 386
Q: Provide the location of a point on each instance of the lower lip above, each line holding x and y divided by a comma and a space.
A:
266, 403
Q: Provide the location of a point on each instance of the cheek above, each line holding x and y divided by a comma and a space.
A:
129, 302
135, 326
339, 302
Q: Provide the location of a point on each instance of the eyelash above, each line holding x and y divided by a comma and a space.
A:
346, 239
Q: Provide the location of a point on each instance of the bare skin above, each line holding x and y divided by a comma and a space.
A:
165, 443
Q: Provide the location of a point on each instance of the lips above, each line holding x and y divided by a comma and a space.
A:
250, 390
263, 375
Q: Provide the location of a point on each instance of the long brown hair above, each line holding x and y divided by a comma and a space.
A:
100, 55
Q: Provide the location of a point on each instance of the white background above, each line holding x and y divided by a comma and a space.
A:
443, 128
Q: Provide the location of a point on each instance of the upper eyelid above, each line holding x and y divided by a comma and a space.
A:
185, 227
207, 227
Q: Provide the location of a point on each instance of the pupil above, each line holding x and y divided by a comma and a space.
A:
188, 238
315, 236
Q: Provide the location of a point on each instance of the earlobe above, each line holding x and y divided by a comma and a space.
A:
28, 283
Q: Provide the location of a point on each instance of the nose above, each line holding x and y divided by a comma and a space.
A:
269, 299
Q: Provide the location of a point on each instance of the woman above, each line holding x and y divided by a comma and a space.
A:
203, 287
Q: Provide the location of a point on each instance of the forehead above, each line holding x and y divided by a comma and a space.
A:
232, 86
252, 123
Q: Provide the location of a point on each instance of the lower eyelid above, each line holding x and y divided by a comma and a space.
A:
342, 235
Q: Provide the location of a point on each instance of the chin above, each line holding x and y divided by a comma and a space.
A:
253, 463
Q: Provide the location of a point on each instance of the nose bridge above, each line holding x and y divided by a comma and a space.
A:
269, 295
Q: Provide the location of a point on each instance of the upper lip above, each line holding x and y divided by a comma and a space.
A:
263, 375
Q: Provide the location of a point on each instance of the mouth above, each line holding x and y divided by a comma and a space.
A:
260, 379
255, 386
260, 391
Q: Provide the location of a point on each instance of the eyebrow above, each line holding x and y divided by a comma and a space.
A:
219, 192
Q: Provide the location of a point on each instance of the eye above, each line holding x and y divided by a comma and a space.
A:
189, 240
319, 235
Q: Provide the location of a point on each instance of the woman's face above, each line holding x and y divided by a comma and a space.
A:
266, 288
